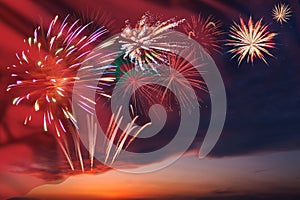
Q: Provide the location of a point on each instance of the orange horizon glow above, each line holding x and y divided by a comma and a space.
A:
214, 177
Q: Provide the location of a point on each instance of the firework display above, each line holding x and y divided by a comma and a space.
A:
148, 99
46, 70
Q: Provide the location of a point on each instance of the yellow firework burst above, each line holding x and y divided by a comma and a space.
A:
281, 12
250, 40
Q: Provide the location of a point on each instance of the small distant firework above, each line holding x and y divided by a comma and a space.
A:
181, 78
250, 40
144, 44
206, 31
281, 12
112, 130
47, 72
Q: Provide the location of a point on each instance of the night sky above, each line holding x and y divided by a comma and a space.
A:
256, 157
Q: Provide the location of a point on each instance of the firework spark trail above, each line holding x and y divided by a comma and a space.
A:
137, 132
281, 12
129, 129
76, 140
122, 140
250, 40
206, 31
113, 127
46, 74
92, 133
144, 44
67, 154
65, 148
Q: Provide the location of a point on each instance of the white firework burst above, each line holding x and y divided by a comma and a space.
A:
144, 44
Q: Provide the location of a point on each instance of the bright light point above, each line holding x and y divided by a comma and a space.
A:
36, 106
15, 100
60, 93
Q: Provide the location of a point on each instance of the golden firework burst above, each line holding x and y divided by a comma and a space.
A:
250, 40
281, 12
